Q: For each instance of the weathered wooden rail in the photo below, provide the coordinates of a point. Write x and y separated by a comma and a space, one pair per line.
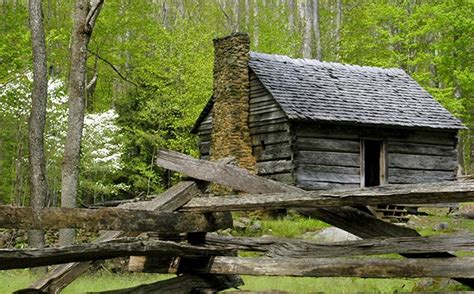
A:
187, 214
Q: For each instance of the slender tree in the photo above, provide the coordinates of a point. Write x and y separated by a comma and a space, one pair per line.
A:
247, 15
255, 23
38, 183
317, 30
85, 15
291, 15
305, 12
236, 16
337, 32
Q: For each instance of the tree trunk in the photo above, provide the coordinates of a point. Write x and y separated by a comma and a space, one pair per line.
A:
317, 30
236, 16
255, 24
38, 183
181, 9
305, 12
338, 28
165, 12
291, 16
247, 15
85, 16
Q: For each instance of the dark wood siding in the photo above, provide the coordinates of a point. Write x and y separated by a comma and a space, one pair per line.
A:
328, 156
326, 159
204, 132
270, 132
424, 158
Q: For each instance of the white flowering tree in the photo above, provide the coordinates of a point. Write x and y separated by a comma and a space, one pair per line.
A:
101, 147
101, 157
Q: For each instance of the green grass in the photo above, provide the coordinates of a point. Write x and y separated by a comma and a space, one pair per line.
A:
15, 279
290, 226
424, 224
18, 279
328, 285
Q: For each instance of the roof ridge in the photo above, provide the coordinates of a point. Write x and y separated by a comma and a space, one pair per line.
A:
327, 64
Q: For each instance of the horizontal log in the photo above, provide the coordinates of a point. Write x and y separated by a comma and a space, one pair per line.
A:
259, 96
205, 127
284, 127
283, 247
311, 170
412, 176
256, 105
454, 267
316, 185
268, 122
334, 145
274, 166
390, 194
109, 219
266, 109
271, 138
328, 158
420, 149
272, 152
266, 116
341, 175
24, 258
427, 162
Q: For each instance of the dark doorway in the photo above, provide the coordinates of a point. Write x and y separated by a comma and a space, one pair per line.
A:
373, 162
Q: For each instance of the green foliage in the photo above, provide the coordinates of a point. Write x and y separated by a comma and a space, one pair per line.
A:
165, 58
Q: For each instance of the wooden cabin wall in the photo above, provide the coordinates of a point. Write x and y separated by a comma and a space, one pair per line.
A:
270, 132
204, 133
421, 157
325, 158
328, 156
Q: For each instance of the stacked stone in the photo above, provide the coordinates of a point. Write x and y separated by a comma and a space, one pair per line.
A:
230, 133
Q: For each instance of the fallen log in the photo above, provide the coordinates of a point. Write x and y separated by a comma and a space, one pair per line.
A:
284, 247
391, 194
455, 267
31, 257
347, 218
110, 219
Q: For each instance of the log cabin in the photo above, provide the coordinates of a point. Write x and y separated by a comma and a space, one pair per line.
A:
320, 125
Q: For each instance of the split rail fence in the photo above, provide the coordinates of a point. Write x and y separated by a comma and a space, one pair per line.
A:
178, 241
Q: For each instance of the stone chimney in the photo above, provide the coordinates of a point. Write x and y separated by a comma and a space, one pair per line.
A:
230, 132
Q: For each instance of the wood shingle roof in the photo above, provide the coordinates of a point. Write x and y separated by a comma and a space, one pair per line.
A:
315, 91
310, 90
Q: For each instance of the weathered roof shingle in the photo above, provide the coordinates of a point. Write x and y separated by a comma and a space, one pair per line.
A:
310, 90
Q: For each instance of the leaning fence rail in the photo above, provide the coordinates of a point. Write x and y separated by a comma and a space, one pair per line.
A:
207, 261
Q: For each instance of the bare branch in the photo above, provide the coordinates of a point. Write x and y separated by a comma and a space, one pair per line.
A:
114, 68
96, 5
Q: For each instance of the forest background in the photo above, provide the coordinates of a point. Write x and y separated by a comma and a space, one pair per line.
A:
153, 64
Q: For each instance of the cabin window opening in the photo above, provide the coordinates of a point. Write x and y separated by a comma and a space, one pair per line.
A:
373, 163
